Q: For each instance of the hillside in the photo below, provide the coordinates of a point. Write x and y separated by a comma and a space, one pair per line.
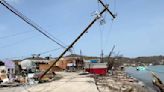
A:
155, 60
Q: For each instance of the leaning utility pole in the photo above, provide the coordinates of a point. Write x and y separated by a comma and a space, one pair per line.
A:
106, 6
110, 61
111, 51
38, 28
85, 30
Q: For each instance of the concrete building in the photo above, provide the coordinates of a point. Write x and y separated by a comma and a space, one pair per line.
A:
10, 69
32, 64
69, 63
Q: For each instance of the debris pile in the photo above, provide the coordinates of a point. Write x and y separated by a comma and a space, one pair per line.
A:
119, 82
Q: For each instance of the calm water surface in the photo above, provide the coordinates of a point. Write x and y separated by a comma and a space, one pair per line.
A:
145, 75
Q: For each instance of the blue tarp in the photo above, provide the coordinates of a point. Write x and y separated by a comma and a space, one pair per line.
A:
93, 61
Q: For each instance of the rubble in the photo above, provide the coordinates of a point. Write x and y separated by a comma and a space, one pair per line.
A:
119, 82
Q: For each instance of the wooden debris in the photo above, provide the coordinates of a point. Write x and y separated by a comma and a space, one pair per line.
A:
157, 82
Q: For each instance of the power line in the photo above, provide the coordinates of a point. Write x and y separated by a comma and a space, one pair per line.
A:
115, 5
11, 58
55, 38
28, 21
13, 35
45, 52
72, 44
41, 53
18, 42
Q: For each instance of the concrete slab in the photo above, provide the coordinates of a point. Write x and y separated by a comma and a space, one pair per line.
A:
71, 82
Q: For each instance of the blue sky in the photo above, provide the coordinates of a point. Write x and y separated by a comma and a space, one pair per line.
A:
137, 31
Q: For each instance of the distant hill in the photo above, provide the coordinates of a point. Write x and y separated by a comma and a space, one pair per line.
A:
84, 57
138, 60
148, 59
155, 60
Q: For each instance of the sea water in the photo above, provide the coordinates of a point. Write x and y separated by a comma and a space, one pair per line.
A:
146, 75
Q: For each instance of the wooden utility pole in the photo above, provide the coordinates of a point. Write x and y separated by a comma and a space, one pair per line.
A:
38, 28
111, 51
105, 6
102, 56
70, 46
110, 61
31, 23
85, 30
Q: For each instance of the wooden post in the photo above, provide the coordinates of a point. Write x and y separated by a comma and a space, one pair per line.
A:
157, 82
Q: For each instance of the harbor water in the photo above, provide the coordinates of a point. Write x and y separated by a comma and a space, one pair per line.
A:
145, 75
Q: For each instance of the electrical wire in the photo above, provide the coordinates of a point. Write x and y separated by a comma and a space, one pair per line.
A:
13, 35
45, 52
41, 53
56, 39
11, 58
71, 49
101, 22
98, 5
111, 23
115, 6
29, 21
18, 42
109, 30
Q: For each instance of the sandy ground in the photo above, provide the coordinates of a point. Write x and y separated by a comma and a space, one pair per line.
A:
71, 82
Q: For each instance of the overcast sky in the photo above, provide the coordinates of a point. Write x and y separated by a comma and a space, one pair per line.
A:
137, 30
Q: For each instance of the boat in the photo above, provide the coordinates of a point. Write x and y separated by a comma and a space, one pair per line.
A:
140, 68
